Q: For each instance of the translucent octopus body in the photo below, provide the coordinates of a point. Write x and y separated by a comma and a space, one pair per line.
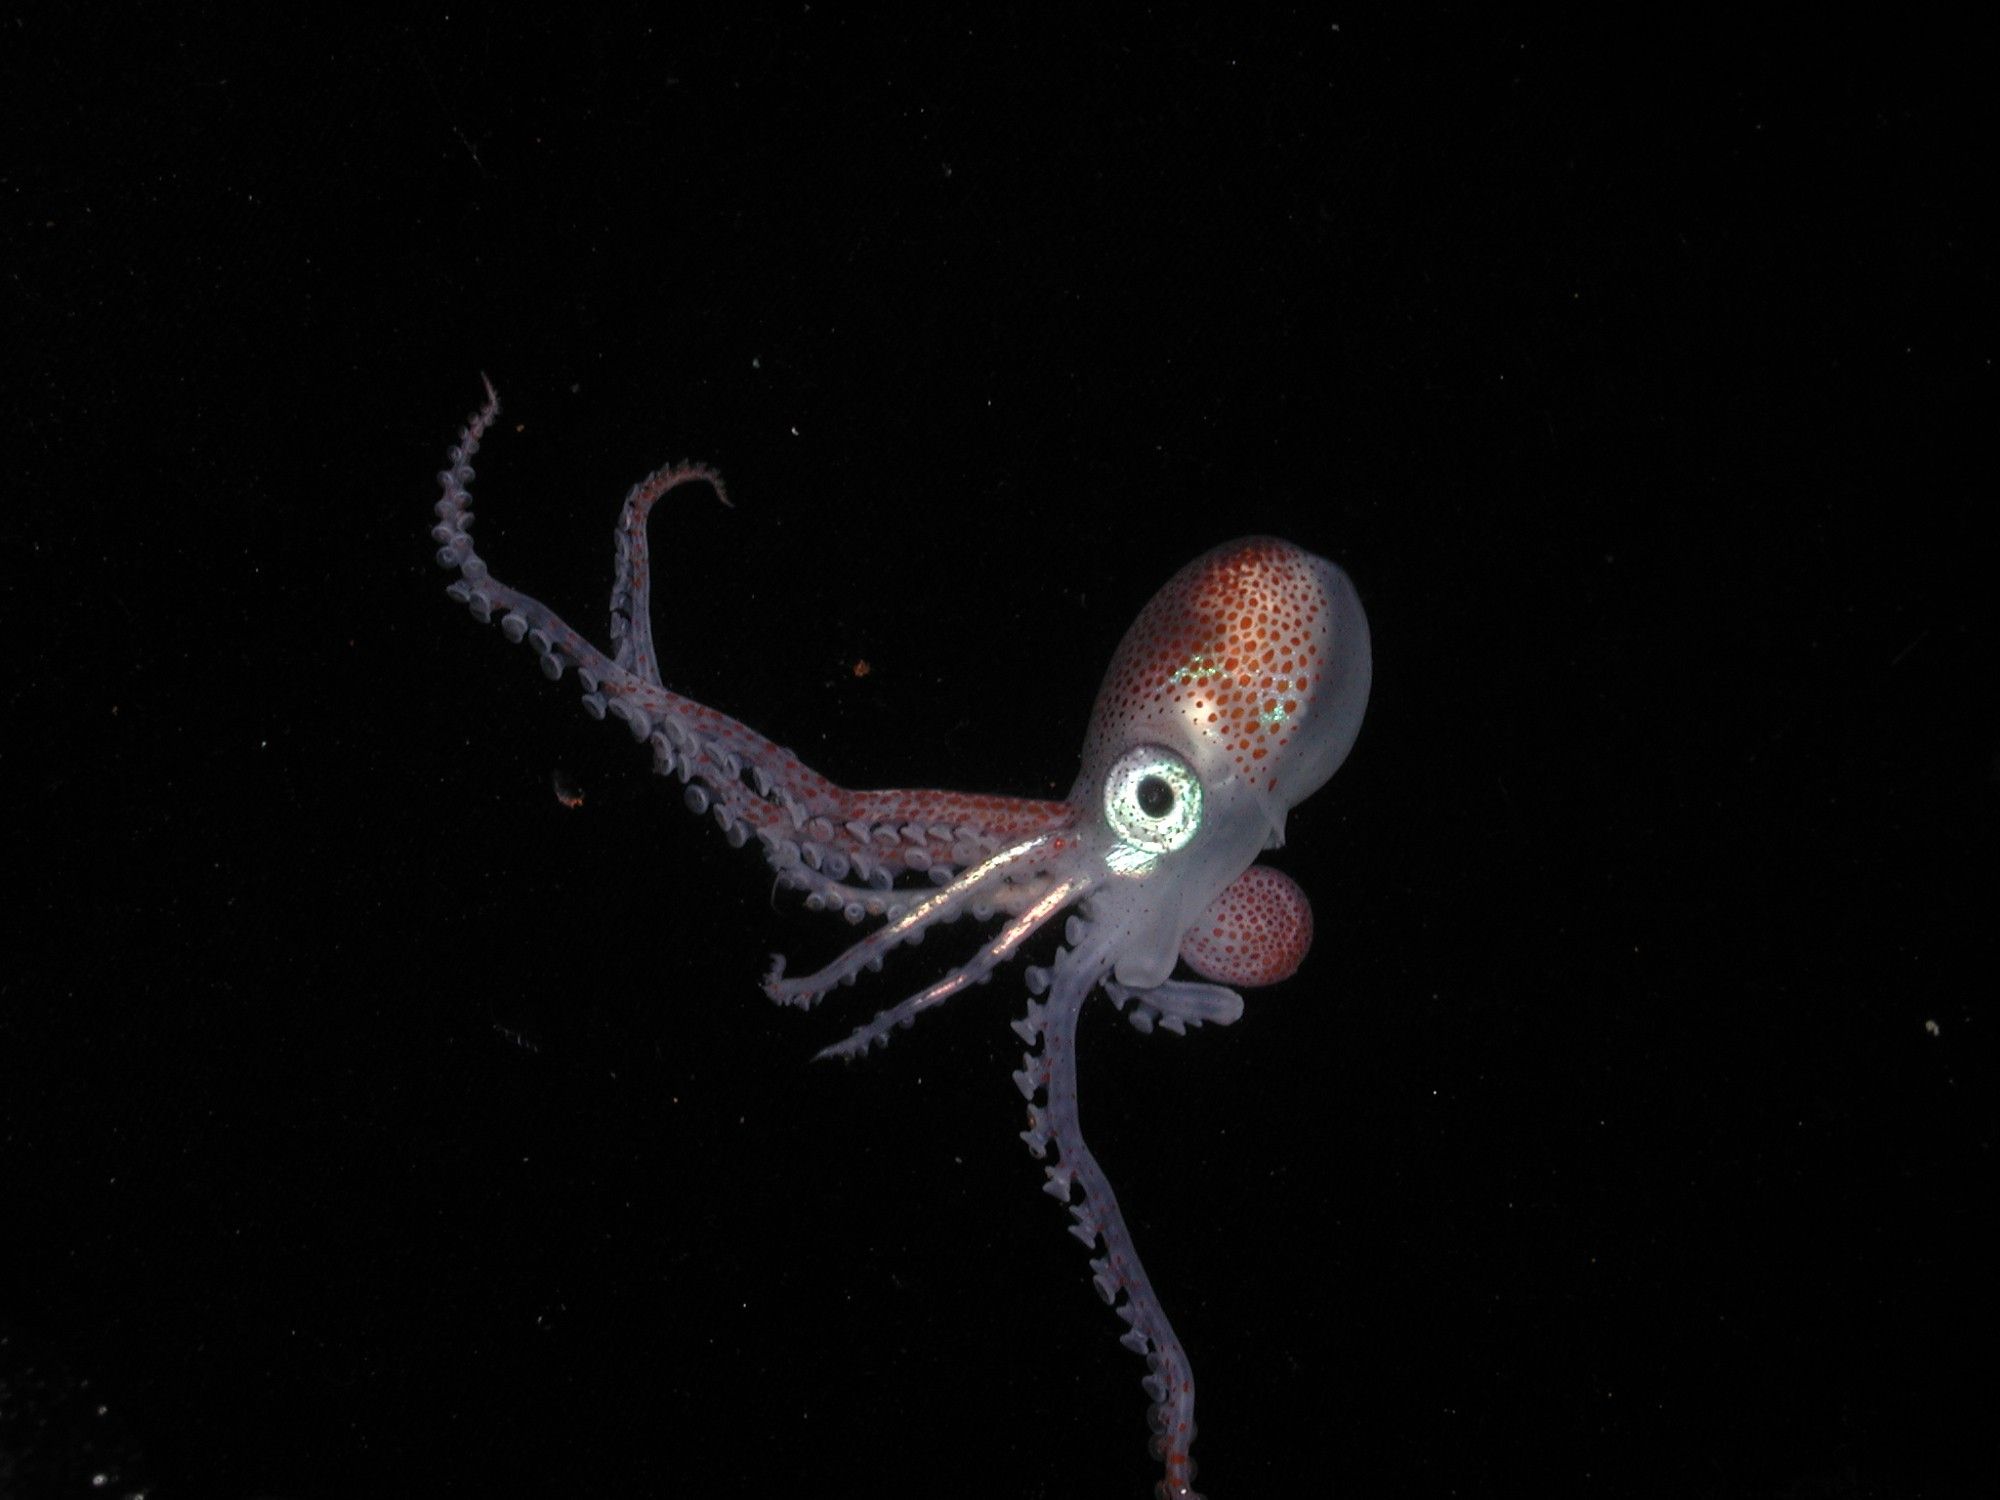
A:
1234, 696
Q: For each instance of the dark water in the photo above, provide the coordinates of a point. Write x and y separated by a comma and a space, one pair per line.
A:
371, 1122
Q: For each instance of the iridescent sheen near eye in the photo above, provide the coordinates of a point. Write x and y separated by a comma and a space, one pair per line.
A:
1143, 778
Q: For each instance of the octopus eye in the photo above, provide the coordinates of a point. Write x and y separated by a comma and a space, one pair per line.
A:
1152, 800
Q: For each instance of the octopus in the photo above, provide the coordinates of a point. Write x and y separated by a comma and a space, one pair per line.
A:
1233, 696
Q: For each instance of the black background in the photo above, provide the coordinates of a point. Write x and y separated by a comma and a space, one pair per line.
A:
371, 1123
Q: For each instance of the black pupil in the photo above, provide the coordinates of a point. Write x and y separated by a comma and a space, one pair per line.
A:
1155, 796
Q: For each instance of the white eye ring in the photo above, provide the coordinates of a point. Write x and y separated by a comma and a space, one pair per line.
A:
1152, 800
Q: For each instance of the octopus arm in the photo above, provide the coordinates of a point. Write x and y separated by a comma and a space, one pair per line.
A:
814, 832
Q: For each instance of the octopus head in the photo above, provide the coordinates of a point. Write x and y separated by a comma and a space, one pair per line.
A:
1234, 696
